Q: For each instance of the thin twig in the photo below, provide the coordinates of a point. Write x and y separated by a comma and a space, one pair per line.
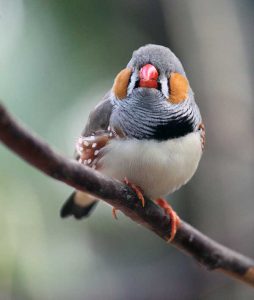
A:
188, 239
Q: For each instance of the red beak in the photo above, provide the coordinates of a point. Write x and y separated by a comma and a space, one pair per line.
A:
148, 76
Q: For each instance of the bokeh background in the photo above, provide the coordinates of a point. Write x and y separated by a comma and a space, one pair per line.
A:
57, 59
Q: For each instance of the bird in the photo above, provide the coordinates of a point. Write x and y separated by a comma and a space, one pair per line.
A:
147, 132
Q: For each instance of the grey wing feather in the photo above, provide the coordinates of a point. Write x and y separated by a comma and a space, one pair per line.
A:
99, 117
98, 120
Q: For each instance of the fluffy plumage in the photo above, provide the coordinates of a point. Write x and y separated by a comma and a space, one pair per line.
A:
158, 168
152, 140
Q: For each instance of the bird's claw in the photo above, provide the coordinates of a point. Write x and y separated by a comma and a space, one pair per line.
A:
174, 218
137, 190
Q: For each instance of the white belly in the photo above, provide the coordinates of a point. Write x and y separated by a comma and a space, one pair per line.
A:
159, 168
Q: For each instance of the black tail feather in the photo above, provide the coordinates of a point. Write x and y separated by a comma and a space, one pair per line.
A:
71, 208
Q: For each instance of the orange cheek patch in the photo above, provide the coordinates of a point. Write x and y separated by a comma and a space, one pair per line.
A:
121, 83
178, 88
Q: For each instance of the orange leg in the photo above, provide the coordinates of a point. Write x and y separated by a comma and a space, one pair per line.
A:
136, 189
174, 219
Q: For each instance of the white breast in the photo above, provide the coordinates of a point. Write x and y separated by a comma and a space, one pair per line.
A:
159, 168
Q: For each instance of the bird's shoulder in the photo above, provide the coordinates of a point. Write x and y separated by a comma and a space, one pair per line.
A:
99, 117
96, 134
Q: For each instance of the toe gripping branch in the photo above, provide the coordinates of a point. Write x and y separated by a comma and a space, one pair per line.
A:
174, 219
138, 192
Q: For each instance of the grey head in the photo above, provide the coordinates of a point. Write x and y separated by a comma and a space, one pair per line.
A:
152, 98
159, 56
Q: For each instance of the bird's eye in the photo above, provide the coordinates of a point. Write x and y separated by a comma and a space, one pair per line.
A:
178, 88
121, 83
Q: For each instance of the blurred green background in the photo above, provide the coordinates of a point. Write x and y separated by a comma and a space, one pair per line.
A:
57, 59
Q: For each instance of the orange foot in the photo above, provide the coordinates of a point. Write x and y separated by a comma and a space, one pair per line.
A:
136, 189
174, 219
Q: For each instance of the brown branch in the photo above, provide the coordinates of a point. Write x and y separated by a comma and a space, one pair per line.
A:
37, 153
